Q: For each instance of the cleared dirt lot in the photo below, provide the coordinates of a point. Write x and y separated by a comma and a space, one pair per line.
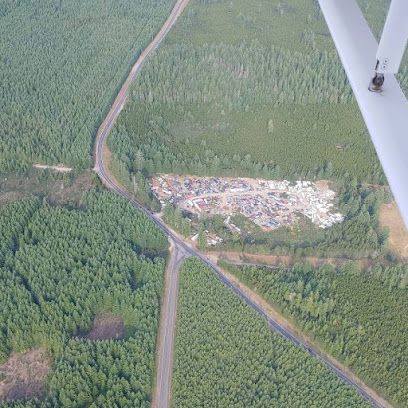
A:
398, 239
106, 327
9, 196
23, 375
58, 189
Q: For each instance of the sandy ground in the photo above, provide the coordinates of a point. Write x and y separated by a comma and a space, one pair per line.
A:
398, 239
107, 157
59, 167
107, 160
23, 375
323, 185
106, 327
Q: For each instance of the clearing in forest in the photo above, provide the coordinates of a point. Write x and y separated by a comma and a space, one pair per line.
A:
274, 261
398, 239
9, 196
106, 327
23, 375
60, 168
60, 188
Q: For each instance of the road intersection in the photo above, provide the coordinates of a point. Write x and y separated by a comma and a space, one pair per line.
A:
181, 249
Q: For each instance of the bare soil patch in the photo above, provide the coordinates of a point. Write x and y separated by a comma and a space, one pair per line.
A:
23, 375
398, 239
323, 185
107, 156
59, 167
9, 197
58, 188
107, 327
280, 260
63, 192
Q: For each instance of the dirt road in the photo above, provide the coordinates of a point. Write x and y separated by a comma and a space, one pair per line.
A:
59, 168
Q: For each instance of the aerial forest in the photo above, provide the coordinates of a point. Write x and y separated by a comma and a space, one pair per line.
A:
59, 269
227, 356
61, 64
239, 89
357, 315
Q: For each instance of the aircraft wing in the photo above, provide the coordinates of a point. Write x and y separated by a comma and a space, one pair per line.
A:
386, 113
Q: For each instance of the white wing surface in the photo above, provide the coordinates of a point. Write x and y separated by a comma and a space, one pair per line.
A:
386, 113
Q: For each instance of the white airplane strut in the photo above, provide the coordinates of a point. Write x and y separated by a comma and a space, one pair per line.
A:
392, 44
385, 111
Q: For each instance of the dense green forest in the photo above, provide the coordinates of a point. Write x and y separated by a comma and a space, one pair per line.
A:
59, 268
61, 63
358, 316
226, 355
246, 89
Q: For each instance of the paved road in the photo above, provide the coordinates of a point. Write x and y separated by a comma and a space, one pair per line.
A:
120, 99
107, 179
161, 398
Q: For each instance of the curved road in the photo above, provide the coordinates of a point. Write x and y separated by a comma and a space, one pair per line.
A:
185, 249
